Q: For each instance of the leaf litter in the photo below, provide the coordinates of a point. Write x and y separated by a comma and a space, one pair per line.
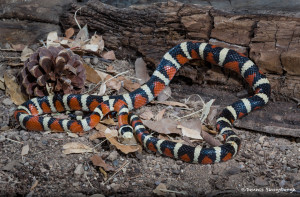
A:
82, 44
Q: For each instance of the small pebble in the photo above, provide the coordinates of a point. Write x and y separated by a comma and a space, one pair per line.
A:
79, 169
97, 195
7, 102
261, 182
233, 170
2, 138
282, 183
115, 163
177, 172
45, 142
87, 60
113, 156
95, 61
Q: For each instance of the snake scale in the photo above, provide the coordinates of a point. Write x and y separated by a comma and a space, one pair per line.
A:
28, 114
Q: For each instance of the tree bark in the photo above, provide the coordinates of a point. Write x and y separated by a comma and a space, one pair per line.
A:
272, 41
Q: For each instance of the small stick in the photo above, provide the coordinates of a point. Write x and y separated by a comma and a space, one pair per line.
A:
14, 141
89, 181
76, 18
172, 191
123, 166
190, 114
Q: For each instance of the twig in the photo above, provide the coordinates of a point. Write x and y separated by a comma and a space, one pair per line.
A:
190, 114
15, 64
14, 141
172, 191
123, 166
8, 50
12, 57
96, 86
89, 181
99, 144
76, 18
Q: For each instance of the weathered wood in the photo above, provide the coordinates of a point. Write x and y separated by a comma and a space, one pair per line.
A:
26, 22
272, 41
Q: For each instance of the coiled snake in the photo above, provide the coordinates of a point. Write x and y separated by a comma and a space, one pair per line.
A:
28, 113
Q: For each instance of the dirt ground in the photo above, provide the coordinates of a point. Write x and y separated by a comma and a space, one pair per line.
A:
266, 164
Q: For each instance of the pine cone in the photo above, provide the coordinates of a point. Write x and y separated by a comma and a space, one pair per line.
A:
54, 68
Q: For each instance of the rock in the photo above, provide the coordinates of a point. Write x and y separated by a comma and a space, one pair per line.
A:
7, 102
261, 182
115, 186
79, 169
87, 60
113, 155
11, 165
97, 195
2, 138
233, 170
95, 61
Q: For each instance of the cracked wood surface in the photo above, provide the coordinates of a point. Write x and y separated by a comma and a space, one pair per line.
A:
272, 41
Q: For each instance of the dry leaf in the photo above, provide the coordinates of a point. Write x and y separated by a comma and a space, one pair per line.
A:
64, 42
171, 103
164, 126
212, 115
141, 70
131, 86
69, 32
109, 121
91, 47
2, 87
13, 89
97, 135
210, 139
102, 89
34, 185
113, 83
91, 74
112, 132
74, 135
26, 54
158, 189
165, 94
103, 173
111, 69
52, 39
97, 40
102, 75
191, 133
124, 148
101, 127
76, 147
147, 115
128, 84
98, 161
163, 137
25, 150
82, 35
160, 115
206, 110
18, 47
109, 55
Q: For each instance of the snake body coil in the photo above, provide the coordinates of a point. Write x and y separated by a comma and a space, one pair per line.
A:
28, 113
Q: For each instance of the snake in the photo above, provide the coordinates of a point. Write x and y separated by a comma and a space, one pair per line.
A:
29, 114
